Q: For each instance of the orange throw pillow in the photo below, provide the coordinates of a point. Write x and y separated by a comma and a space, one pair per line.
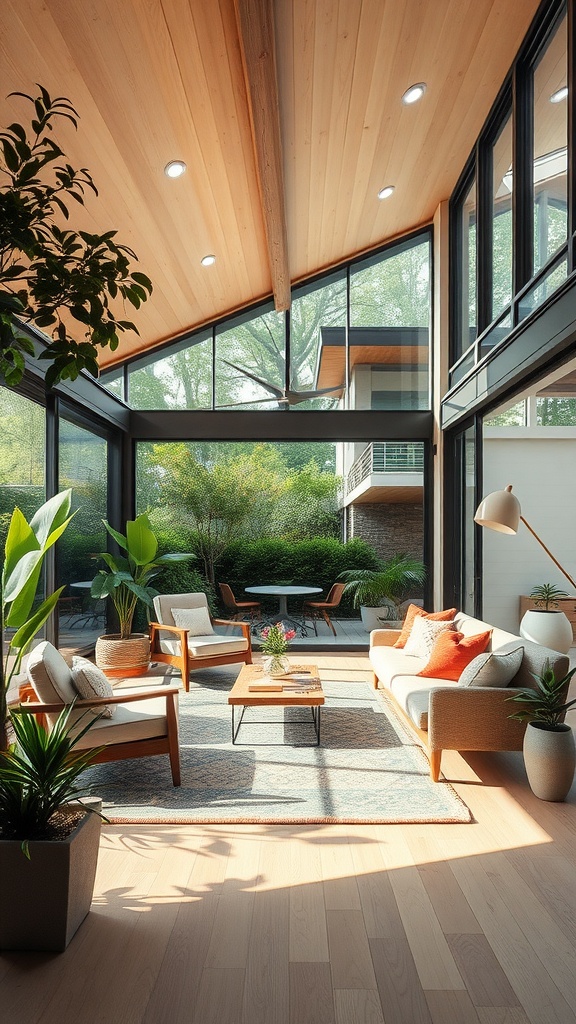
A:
452, 652
413, 611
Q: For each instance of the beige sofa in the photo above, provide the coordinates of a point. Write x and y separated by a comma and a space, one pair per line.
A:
447, 716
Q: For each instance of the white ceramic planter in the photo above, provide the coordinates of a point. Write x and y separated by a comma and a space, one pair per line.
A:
550, 759
550, 629
377, 618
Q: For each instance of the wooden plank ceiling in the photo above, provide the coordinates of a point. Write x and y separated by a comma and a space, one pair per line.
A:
158, 80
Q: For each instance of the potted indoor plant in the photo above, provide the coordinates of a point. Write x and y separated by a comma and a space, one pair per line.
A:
48, 839
26, 546
126, 581
377, 592
549, 749
546, 623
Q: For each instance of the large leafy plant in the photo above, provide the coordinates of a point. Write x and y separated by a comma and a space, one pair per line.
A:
39, 775
388, 585
24, 553
51, 275
127, 578
546, 703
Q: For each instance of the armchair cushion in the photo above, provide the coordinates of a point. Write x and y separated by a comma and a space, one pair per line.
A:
142, 720
207, 646
90, 681
195, 620
50, 675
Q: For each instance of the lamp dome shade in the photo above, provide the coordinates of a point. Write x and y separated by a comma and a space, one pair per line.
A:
499, 511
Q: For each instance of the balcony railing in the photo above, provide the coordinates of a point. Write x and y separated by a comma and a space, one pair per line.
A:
386, 457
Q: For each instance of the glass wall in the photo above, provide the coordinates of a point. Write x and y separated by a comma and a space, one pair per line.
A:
515, 188
389, 329
317, 342
22, 460
83, 463
550, 142
357, 338
502, 188
466, 327
181, 379
250, 366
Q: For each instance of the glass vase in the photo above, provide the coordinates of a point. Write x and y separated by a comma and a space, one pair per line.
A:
276, 665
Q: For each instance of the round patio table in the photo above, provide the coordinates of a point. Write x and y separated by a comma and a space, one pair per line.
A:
283, 593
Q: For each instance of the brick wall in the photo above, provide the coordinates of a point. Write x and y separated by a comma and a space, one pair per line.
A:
390, 529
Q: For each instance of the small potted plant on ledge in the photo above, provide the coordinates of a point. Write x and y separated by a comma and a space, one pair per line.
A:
377, 592
549, 749
127, 581
546, 623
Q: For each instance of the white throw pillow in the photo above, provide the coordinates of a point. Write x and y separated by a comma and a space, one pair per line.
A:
423, 636
494, 668
90, 681
195, 620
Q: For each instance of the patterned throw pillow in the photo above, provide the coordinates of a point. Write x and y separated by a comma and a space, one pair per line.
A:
195, 620
423, 636
495, 668
90, 681
452, 652
413, 612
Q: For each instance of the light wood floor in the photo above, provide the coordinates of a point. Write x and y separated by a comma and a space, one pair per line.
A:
416, 924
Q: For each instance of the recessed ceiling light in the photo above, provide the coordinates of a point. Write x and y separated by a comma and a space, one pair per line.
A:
207, 261
559, 95
384, 193
175, 168
414, 93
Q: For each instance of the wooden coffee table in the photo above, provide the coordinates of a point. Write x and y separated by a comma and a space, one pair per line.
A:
294, 693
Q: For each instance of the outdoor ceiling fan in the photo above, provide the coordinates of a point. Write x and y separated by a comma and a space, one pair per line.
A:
284, 396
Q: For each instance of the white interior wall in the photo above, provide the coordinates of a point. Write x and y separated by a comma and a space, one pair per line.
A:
542, 470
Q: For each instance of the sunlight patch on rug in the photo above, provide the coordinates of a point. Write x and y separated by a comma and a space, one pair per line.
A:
369, 768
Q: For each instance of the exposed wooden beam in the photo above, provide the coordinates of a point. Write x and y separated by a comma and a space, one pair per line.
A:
255, 19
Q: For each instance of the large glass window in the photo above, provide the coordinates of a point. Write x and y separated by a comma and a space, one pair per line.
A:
251, 361
502, 186
389, 328
180, 380
83, 467
467, 313
550, 141
317, 342
310, 358
22, 459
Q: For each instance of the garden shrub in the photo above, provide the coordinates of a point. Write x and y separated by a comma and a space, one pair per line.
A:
317, 562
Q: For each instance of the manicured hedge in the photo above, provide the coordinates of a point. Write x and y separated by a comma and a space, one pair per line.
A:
316, 562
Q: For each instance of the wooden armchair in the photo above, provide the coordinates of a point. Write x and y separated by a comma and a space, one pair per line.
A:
145, 722
196, 645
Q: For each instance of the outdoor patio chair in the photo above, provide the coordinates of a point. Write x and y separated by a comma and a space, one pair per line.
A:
145, 722
184, 636
238, 609
319, 609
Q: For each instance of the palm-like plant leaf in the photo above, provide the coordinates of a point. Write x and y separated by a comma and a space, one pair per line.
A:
41, 773
547, 703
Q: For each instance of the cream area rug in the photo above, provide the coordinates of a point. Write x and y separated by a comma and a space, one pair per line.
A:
368, 768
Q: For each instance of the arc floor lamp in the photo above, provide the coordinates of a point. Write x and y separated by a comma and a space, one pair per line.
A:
500, 511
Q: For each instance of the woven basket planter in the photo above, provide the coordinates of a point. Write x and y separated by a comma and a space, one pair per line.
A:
121, 658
